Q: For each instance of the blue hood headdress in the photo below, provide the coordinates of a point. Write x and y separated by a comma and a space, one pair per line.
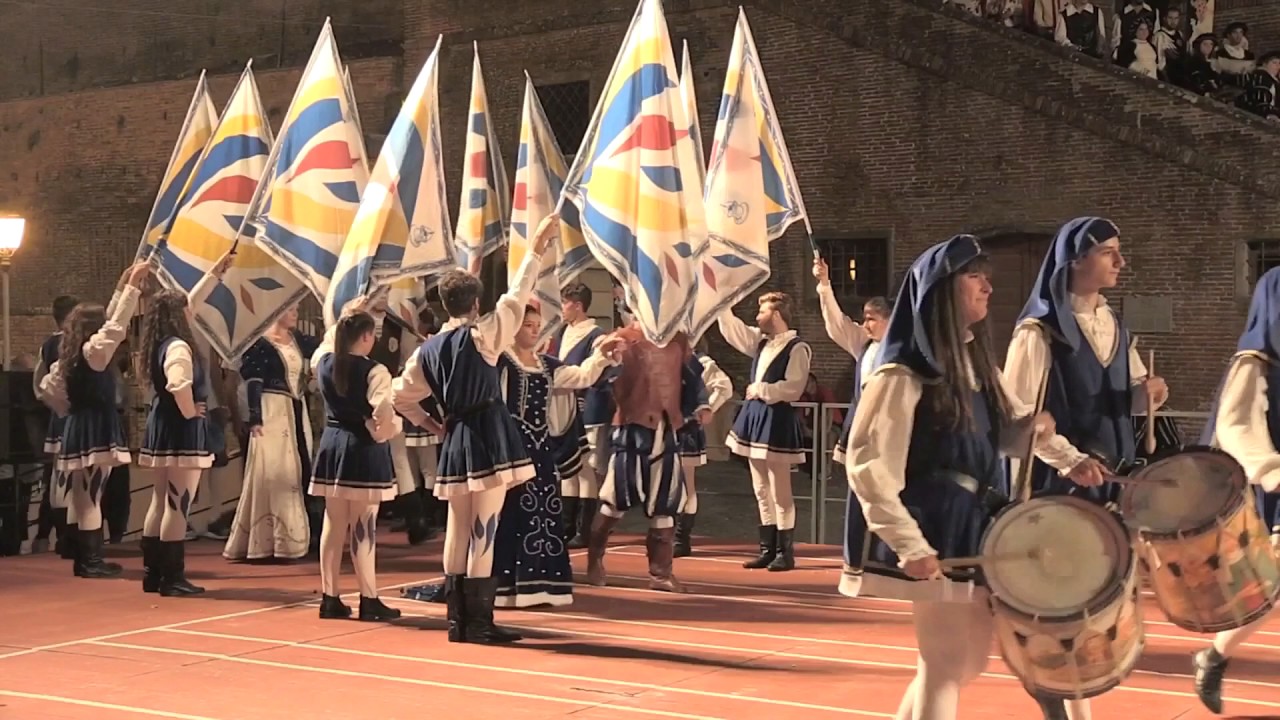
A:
906, 342
1049, 302
1262, 331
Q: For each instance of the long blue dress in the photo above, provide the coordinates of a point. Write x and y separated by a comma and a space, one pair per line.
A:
530, 560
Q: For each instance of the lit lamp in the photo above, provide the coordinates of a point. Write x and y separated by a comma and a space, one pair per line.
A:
11, 229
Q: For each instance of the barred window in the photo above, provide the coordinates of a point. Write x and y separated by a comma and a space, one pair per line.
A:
568, 109
1263, 255
860, 266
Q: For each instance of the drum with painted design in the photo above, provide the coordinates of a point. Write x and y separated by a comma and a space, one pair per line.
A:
1203, 544
1064, 595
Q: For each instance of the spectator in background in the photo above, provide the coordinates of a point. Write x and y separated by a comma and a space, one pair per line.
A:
1137, 53
1170, 46
1199, 75
815, 392
1125, 25
1262, 88
1080, 26
1233, 59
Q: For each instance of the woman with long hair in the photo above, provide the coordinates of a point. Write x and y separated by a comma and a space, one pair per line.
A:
82, 386
353, 470
936, 407
271, 519
176, 443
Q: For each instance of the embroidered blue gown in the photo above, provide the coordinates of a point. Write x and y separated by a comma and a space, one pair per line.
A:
530, 560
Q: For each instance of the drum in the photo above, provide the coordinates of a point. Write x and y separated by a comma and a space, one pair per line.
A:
1205, 549
1067, 618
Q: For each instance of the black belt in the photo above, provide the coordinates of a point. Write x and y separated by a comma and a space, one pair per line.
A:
454, 418
992, 499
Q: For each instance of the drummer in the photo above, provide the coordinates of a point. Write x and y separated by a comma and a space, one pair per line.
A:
1243, 427
934, 411
1095, 379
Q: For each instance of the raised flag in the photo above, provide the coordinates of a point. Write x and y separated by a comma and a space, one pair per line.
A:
196, 130
255, 288
402, 228
305, 205
690, 99
634, 181
752, 196
540, 171
484, 212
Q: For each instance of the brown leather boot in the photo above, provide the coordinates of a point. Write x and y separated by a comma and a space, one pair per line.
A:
597, 541
660, 546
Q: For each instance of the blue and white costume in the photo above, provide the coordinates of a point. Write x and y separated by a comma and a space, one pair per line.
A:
482, 454
1094, 374
900, 465
581, 439
1245, 423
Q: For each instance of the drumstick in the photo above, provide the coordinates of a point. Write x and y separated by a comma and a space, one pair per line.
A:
1023, 484
1140, 481
953, 563
1151, 407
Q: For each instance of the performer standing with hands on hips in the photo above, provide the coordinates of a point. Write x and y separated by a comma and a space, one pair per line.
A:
176, 443
1245, 423
767, 430
1071, 353
936, 411
482, 453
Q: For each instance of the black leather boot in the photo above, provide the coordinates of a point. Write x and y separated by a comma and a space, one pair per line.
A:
479, 594
568, 518
588, 507
456, 607
768, 548
374, 610
684, 535
1210, 668
173, 581
89, 562
415, 517
68, 535
332, 608
151, 564
786, 559
1053, 709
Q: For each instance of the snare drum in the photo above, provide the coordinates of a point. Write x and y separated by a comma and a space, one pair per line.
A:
1067, 620
1205, 548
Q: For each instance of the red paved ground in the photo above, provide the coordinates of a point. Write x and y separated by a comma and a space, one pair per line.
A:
740, 645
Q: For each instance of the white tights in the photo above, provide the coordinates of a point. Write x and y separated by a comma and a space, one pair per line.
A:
1227, 641
691, 492
423, 460
954, 641
171, 497
771, 479
86, 496
472, 530
357, 520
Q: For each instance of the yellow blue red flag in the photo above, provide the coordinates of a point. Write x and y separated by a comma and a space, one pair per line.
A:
197, 128
402, 228
752, 196
635, 181
484, 212
305, 206
255, 289
540, 172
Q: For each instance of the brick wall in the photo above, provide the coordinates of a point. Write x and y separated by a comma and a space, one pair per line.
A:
48, 50
84, 167
902, 120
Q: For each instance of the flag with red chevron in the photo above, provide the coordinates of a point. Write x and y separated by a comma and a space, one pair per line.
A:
635, 181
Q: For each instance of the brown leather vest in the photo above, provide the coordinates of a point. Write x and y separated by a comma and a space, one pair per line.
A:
649, 381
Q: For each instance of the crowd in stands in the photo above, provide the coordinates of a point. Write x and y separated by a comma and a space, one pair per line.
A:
1162, 39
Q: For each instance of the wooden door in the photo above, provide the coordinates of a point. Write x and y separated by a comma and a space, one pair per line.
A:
1015, 260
